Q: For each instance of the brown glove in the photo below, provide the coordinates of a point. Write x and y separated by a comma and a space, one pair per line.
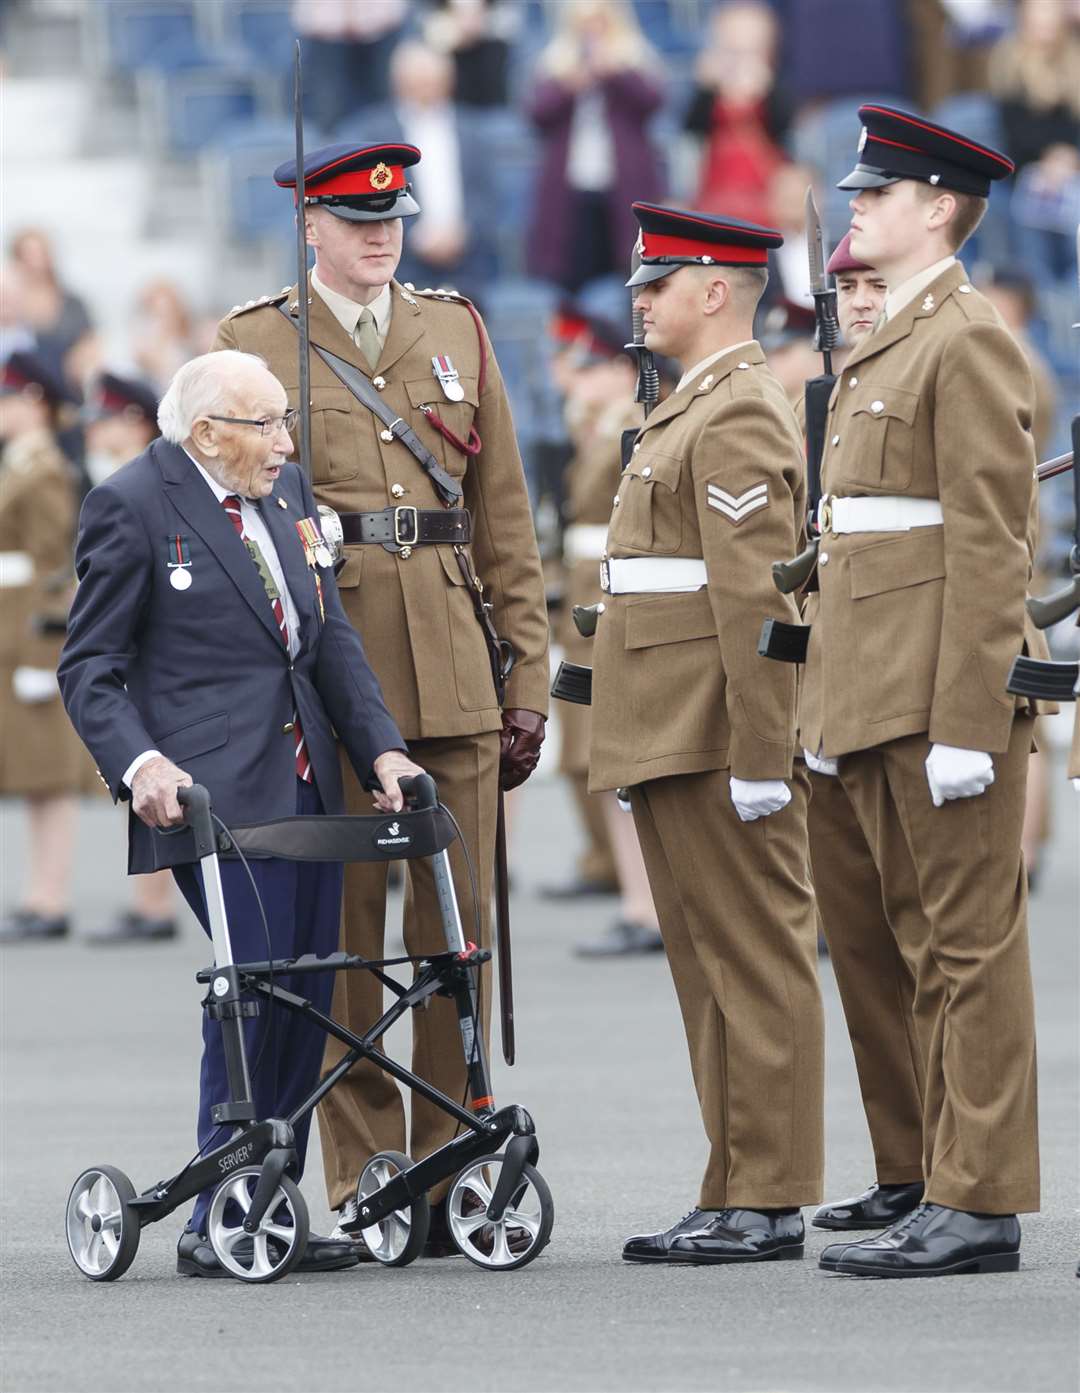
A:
520, 739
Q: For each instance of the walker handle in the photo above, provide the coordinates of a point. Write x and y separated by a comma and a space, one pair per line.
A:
195, 802
420, 792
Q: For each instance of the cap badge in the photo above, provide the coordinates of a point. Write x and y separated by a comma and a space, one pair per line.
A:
862, 140
447, 377
381, 177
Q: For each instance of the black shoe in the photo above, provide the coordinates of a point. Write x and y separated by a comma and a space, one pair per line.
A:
196, 1258
578, 889
932, 1241
875, 1208
440, 1243
131, 927
27, 926
656, 1247
743, 1235
622, 940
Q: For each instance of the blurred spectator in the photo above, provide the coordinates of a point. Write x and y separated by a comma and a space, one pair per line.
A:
477, 34
1013, 293
449, 243
598, 82
786, 334
787, 213
16, 336
1035, 76
163, 334
347, 47
951, 45
739, 111
56, 316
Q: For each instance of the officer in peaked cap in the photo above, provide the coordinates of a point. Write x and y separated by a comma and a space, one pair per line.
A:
428, 355
925, 559
40, 757
120, 420
687, 718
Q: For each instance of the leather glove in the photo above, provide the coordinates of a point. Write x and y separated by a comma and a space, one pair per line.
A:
953, 772
520, 739
754, 798
821, 764
34, 684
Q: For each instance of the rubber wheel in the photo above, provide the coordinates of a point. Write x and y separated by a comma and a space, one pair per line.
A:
398, 1239
280, 1240
102, 1228
519, 1236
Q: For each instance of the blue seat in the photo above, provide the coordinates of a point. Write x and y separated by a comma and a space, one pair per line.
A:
263, 28
238, 174
148, 33
195, 106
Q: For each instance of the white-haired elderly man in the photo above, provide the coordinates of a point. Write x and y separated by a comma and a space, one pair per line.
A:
207, 643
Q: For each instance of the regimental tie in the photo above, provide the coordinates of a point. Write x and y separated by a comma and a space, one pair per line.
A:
231, 504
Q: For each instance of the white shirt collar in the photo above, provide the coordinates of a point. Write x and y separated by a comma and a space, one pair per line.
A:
347, 312
907, 291
691, 373
216, 489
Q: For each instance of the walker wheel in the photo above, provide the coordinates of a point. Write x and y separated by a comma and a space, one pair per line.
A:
524, 1229
280, 1241
399, 1238
102, 1228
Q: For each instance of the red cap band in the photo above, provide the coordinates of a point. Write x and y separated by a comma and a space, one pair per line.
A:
358, 183
655, 245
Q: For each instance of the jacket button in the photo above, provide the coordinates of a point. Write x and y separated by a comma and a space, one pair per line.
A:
637, 447
397, 490
742, 366
823, 559
600, 607
405, 553
287, 728
853, 382
964, 289
646, 473
615, 501
386, 435
378, 382
877, 407
836, 440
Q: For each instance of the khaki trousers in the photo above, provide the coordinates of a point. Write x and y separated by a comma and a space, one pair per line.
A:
737, 917
964, 865
364, 1113
877, 985
596, 864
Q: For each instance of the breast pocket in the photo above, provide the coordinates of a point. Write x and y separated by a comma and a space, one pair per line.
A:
335, 452
648, 515
880, 447
444, 426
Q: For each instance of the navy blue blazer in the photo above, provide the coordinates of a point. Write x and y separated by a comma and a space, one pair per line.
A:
201, 673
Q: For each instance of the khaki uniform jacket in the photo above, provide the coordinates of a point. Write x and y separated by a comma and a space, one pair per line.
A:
39, 751
916, 630
678, 687
414, 613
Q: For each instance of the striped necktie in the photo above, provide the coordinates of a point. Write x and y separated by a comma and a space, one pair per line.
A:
231, 504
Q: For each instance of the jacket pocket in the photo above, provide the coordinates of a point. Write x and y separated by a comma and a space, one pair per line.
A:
198, 738
899, 589
669, 619
425, 395
648, 516
335, 450
881, 436
348, 578
472, 666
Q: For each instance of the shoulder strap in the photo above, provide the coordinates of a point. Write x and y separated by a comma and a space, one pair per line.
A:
360, 385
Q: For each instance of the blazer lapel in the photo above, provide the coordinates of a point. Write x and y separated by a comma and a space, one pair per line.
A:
190, 496
406, 326
706, 379
281, 524
924, 305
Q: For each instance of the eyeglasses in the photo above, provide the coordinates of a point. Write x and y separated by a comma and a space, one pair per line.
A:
269, 425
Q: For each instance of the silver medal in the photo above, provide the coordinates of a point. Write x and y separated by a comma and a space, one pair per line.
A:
322, 556
447, 377
180, 578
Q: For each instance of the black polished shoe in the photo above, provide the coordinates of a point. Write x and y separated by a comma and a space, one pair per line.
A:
131, 927
195, 1257
578, 889
932, 1241
656, 1247
440, 1243
27, 926
624, 939
743, 1235
875, 1208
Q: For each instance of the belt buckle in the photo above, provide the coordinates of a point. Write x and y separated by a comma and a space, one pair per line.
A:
398, 538
825, 515
605, 577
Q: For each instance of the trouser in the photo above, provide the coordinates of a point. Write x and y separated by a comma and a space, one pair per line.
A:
964, 865
596, 864
302, 903
890, 1038
737, 918
364, 1113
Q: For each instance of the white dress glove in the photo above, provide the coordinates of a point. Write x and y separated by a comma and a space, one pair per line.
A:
821, 764
754, 798
955, 773
34, 684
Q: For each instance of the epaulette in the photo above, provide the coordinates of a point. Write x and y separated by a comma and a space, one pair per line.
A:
439, 293
258, 304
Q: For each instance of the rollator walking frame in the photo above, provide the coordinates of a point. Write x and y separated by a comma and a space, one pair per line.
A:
499, 1209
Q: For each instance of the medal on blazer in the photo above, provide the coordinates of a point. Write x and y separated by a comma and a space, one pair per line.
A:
446, 375
179, 563
315, 554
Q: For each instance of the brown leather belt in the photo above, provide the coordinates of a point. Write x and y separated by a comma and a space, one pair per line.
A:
407, 527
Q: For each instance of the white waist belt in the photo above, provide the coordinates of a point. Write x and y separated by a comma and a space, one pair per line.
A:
16, 568
645, 575
890, 513
584, 541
